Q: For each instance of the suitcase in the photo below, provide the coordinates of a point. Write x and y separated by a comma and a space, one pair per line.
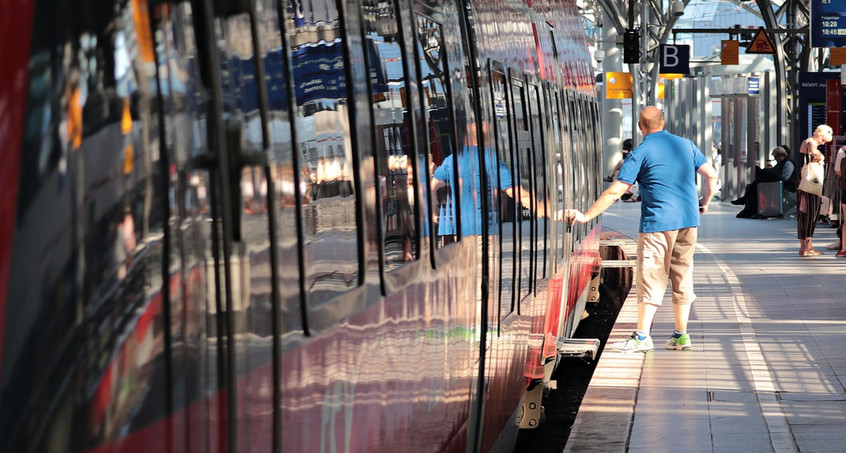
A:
770, 199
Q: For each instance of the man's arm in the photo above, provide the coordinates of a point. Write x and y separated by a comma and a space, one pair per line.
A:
611, 194
709, 181
787, 171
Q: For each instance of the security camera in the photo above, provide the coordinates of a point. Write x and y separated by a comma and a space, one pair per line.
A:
677, 8
599, 55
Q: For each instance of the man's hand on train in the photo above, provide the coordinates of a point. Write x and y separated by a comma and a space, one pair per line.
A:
573, 216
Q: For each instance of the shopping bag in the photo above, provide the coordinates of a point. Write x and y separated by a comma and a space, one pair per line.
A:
812, 178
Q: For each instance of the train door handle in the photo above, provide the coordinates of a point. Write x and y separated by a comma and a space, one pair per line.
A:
237, 160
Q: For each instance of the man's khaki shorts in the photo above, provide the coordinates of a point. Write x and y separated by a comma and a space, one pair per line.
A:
662, 257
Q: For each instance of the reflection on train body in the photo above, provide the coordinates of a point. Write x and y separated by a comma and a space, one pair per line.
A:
289, 226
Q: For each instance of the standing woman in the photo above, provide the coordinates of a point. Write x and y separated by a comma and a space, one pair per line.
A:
809, 204
840, 169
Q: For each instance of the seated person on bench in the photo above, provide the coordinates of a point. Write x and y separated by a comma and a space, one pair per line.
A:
785, 170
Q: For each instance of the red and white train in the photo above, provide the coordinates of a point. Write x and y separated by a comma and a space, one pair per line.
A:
221, 228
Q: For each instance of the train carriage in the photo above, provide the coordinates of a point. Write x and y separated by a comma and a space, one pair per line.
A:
255, 226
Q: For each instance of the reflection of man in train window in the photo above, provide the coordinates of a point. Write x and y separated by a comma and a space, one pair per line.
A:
445, 176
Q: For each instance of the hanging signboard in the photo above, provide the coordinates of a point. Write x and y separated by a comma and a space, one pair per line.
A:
662, 80
729, 53
675, 59
828, 23
618, 85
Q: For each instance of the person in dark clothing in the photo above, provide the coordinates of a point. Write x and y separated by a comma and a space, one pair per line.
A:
785, 170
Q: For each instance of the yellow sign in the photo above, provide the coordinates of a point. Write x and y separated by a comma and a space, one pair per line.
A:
729, 53
618, 85
761, 43
838, 56
662, 78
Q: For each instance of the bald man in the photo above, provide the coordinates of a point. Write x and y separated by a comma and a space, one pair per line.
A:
665, 167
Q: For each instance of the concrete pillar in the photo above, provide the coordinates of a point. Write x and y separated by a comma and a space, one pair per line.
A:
611, 109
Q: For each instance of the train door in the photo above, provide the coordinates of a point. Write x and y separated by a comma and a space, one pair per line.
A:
503, 366
562, 169
230, 336
246, 34
523, 189
540, 196
194, 365
90, 364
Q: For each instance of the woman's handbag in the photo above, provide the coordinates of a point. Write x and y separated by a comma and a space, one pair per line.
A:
812, 178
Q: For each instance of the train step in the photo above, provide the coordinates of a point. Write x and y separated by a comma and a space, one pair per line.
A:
578, 347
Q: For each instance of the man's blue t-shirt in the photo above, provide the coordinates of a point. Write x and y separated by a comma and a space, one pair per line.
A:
664, 166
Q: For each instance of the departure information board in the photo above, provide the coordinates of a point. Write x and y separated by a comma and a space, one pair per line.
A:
828, 23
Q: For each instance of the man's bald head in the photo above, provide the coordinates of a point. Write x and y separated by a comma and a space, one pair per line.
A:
651, 120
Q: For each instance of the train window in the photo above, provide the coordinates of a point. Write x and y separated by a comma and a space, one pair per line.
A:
578, 162
525, 189
586, 161
566, 171
540, 194
556, 180
325, 151
591, 143
436, 101
394, 156
597, 140
507, 225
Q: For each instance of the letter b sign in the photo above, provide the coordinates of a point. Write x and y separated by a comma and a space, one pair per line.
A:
675, 59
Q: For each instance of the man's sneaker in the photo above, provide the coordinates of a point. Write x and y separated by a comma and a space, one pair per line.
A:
681, 343
634, 345
834, 245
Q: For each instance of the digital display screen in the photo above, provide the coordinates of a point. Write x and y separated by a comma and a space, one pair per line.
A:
828, 23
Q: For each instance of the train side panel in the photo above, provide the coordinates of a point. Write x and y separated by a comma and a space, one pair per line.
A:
226, 233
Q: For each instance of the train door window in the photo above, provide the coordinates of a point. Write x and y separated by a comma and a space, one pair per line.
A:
578, 162
540, 192
507, 225
584, 155
248, 316
596, 170
185, 115
586, 161
325, 151
524, 188
556, 179
594, 142
394, 156
436, 100
566, 169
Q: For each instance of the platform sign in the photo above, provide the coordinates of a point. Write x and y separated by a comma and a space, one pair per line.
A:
753, 86
675, 59
618, 85
813, 94
729, 53
662, 81
828, 23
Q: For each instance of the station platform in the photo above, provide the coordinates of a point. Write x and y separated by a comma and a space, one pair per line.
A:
768, 366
